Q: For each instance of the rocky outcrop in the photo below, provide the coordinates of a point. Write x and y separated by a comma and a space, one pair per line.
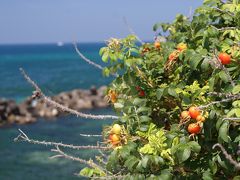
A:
30, 110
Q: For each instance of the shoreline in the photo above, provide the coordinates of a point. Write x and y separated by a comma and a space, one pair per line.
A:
29, 110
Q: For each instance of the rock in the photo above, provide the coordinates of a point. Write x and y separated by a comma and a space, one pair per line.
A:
93, 91
29, 110
54, 112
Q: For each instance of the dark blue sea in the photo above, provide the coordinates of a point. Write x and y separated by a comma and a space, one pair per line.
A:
55, 69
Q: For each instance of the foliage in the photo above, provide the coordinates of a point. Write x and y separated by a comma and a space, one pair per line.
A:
159, 145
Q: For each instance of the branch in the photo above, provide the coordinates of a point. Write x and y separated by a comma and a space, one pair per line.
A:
89, 163
232, 119
235, 97
98, 66
224, 12
225, 28
23, 137
108, 177
218, 94
86, 59
91, 135
190, 12
111, 177
227, 156
131, 30
39, 94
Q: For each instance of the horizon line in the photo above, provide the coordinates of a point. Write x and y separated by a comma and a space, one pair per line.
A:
64, 43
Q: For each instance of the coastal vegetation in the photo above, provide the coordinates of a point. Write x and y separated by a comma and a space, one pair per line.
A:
177, 101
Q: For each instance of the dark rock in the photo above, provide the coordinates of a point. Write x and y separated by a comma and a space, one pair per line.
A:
93, 91
29, 110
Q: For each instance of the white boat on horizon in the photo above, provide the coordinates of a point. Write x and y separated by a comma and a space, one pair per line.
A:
60, 43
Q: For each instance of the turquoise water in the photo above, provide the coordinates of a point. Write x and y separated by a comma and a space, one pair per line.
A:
56, 69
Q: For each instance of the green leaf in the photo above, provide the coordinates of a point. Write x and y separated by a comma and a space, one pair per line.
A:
145, 119
165, 175
236, 178
144, 128
195, 147
237, 112
194, 61
159, 93
213, 166
236, 89
145, 110
205, 64
222, 163
144, 161
156, 26
106, 72
139, 102
223, 76
129, 62
207, 175
223, 131
219, 123
131, 162
236, 103
183, 153
102, 50
118, 105
237, 139
86, 172
105, 57
172, 92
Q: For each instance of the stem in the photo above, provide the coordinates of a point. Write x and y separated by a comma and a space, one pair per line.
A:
39, 94
23, 137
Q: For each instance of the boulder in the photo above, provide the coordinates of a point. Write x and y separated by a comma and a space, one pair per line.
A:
29, 110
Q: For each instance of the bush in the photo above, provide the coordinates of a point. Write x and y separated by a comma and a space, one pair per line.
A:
177, 100
196, 65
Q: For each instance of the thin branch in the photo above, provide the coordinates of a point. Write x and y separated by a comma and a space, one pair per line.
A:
109, 177
232, 119
190, 12
98, 66
131, 30
91, 135
89, 163
221, 101
218, 94
86, 59
23, 137
228, 156
224, 12
225, 28
49, 101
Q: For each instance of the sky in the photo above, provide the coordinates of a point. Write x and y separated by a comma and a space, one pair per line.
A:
50, 21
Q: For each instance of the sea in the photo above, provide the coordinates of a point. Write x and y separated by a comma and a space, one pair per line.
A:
55, 68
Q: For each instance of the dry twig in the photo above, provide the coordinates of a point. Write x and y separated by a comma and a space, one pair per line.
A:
224, 12
235, 97
89, 163
86, 59
235, 119
91, 135
49, 101
131, 30
218, 94
23, 137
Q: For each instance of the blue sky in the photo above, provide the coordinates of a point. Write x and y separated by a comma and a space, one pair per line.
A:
42, 21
